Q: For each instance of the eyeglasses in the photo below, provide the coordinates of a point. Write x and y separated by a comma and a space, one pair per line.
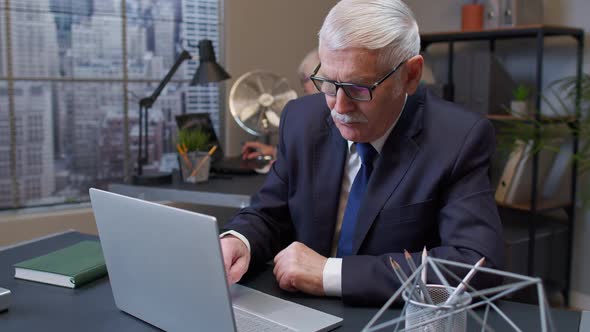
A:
353, 91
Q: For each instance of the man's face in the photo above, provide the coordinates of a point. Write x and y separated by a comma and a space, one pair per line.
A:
362, 121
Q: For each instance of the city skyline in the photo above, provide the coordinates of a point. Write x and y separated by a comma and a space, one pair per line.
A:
82, 122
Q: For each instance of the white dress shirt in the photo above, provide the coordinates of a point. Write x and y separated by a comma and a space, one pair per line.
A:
332, 274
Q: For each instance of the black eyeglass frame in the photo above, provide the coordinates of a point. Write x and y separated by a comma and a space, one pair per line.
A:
318, 80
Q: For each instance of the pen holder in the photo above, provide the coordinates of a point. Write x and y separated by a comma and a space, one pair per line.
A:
198, 159
424, 317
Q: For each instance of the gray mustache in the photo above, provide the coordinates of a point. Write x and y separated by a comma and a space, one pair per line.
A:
349, 118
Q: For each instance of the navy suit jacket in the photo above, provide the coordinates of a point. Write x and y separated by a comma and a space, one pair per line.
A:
429, 187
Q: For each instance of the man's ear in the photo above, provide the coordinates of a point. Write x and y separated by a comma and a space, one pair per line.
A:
413, 73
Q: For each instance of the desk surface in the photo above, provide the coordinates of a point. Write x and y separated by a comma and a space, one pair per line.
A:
226, 192
39, 307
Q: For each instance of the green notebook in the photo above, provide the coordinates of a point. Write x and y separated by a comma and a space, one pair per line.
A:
68, 267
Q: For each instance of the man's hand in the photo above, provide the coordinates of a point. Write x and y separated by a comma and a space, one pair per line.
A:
254, 149
236, 258
298, 268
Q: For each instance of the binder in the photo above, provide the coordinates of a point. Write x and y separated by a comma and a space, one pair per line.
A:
505, 183
515, 185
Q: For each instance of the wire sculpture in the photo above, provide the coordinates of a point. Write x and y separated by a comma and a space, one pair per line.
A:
441, 314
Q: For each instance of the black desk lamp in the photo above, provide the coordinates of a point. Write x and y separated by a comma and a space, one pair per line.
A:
208, 71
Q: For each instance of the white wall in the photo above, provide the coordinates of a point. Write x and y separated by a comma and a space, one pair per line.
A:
269, 35
519, 58
575, 13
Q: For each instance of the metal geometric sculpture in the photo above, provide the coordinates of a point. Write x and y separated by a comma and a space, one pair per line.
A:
417, 315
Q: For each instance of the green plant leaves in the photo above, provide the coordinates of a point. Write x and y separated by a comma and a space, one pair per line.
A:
194, 140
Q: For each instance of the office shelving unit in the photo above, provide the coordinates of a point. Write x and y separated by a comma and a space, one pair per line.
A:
538, 33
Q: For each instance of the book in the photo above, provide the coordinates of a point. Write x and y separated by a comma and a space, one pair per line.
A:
520, 183
69, 267
515, 185
507, 177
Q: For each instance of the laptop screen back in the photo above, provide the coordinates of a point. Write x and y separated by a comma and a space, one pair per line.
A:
165, 265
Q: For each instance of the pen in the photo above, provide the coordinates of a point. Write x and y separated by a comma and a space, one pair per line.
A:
421, 284
182, 151
397, 270
202, 162
401, 275
461, 287
423, 272
410, 261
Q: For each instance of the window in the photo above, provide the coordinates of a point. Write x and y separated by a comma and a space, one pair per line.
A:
35, 128
70, 107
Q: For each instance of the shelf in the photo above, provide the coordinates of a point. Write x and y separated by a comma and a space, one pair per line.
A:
525, 31
541, 206
544, 119
536, 33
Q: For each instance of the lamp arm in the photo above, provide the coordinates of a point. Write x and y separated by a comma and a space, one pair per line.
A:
149, 101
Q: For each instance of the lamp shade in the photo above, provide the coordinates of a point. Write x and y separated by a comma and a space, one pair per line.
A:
209, 70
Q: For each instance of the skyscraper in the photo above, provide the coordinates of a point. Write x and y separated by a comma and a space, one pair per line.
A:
67, 12
96, 54
107, 7
163, 15
32, 33
201, 20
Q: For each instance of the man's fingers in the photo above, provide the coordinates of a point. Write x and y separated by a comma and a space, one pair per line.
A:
283, 274
253, 155
275, 270
249, 146
227, 261
280, 255
235, 258
279, 270
286, 284
279, 261
237, 270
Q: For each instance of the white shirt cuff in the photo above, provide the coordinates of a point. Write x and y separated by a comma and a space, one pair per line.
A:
239, 236
332, 276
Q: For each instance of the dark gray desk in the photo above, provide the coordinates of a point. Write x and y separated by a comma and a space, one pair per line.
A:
231, 192
39, 307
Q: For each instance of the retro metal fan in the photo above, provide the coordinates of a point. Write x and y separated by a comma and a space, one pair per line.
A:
256, 101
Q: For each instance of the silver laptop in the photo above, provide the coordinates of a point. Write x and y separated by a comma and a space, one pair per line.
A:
165, 267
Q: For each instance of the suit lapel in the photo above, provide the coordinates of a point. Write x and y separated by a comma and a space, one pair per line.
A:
329, 156
397, 155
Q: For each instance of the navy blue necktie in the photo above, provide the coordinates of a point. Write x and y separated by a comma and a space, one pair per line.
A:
367, 154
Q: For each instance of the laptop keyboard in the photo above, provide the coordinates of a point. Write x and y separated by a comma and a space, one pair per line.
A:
247, 322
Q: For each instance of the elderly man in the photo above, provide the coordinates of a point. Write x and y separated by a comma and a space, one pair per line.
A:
370, 167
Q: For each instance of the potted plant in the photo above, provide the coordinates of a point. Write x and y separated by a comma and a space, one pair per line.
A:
194, 148
519, 103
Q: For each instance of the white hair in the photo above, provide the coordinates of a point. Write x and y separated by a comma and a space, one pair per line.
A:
385, 25
308, 64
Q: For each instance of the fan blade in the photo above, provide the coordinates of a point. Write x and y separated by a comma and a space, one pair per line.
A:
280, 83
257, 89
281, 100
285, 96
248, 112
236, 106
272, 117
260, 85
